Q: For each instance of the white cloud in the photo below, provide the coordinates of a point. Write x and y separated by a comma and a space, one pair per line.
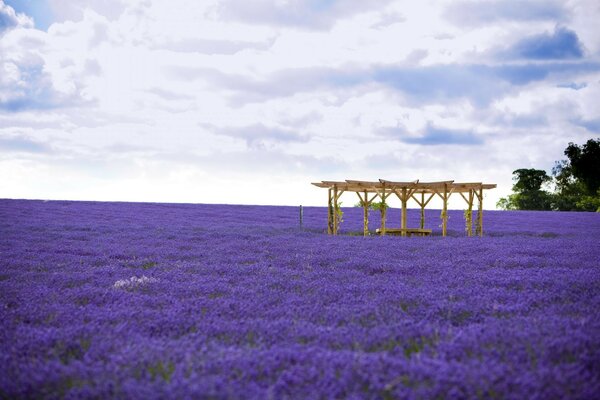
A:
480, 13
157, 101
9, 19
312, 14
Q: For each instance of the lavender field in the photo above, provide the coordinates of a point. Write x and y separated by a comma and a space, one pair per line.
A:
125, 300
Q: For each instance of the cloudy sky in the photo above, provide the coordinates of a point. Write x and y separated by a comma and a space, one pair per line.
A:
231, 101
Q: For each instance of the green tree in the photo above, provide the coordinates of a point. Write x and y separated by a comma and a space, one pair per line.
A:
568, 190
577, 179
507, 203
528, 193
576, 183
585, 164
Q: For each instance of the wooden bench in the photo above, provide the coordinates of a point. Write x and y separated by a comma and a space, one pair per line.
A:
408, 231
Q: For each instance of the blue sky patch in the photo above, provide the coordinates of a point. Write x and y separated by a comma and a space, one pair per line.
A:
572, 85
474, 13
39, 10
22, 144
592, 125
563, 44
433, 136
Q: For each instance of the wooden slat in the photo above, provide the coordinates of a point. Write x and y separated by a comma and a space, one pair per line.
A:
406, 231
353, 188
384, 194
417, 200
419, 186
432, 185
364, 183
466, 184
463, 196
360, 197
429, 199
399, 185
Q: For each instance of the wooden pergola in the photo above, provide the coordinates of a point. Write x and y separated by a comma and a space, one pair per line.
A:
421, 192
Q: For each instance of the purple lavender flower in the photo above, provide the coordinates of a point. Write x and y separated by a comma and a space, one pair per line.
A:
104, 300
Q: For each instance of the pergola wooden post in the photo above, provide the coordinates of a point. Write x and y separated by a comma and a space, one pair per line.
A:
383, 195
404, 207
445, 211
469, 212
406, 194
479, 228
365, 204
330, 212
335, 209
445, 196
423, 203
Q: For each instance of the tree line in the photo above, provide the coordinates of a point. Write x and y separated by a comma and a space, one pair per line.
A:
573, 186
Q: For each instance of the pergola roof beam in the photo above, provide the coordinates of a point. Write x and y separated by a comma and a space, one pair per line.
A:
419, 187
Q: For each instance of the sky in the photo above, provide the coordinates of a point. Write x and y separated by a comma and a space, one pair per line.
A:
248, 102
